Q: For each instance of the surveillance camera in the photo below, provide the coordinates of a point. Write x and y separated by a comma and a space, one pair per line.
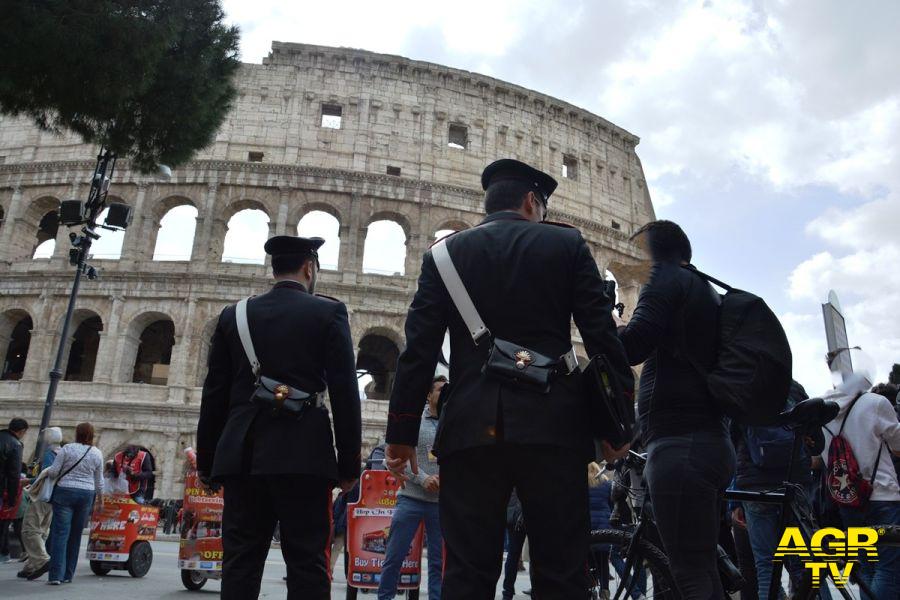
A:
164, 171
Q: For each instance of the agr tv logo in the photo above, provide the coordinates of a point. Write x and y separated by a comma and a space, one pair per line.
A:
828, 547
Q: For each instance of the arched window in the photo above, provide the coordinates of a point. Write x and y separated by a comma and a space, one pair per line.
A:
154, 354
376, 362
15, 331
46, 235
109, 246
83, 353
318, 223
384, 252
248, 231
175, 239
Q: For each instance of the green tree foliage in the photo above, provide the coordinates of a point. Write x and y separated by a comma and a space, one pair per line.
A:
150, 79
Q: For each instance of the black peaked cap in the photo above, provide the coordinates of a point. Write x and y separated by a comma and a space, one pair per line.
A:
290, 244
508, 168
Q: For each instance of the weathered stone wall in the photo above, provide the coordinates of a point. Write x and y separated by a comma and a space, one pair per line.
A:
394, 113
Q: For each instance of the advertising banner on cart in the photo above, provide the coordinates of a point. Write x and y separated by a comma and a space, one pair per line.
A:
201, 527
116, 526
368, 528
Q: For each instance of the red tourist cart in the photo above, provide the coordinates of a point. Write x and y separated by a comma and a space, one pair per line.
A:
368, 528
120, 538
200, 548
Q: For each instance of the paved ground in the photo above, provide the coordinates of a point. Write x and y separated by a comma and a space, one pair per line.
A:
163, 581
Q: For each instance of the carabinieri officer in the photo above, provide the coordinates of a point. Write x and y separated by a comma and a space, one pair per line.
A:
271, 444
527, 280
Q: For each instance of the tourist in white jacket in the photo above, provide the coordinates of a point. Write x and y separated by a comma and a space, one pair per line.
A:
871, 426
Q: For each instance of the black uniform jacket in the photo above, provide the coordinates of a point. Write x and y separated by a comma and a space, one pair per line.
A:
301, 340
527, 281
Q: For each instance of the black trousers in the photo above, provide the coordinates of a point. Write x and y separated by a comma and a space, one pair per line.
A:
551, 483
686, 476
253, 504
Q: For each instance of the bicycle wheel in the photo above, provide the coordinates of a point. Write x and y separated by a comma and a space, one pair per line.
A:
650, 579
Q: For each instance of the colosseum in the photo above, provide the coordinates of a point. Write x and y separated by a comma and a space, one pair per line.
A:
346, 139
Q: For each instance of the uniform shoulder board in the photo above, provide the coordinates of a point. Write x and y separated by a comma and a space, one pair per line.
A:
327, 297
449, 235
566, 225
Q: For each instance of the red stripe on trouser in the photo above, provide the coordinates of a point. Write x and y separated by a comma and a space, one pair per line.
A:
330, 536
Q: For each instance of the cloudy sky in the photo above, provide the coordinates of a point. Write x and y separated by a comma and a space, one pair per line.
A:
770, 130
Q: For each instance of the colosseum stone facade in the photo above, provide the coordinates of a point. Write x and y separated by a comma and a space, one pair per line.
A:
362, 137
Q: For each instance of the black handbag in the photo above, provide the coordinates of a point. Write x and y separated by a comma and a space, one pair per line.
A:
610, 402
270, 393
508, 361
521, 366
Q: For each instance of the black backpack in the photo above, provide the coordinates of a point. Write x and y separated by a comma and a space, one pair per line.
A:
751, 377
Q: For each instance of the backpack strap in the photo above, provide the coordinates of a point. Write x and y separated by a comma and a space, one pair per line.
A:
77, 462
877, 462
849, 408
709, 278
243, 326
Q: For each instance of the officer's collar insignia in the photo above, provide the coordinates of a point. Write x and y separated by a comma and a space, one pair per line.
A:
523, 359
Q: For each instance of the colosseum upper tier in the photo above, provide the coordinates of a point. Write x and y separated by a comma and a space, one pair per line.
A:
359, 136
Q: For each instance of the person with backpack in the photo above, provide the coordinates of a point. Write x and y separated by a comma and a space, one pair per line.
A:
763, 457
691, 460
860, 476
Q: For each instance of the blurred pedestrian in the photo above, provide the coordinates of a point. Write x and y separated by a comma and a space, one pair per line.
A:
690, 458
36, 524
868, 423
10, 470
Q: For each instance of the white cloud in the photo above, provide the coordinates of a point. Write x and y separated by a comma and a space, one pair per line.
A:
866, 276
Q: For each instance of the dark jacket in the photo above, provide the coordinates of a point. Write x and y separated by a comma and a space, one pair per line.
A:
301, 340
749, 476
10, 465
527, 280
600, 505
676, 317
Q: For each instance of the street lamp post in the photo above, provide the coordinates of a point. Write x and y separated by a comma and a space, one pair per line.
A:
87, 215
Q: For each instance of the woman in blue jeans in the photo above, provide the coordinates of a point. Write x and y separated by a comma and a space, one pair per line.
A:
78, 473
417, 503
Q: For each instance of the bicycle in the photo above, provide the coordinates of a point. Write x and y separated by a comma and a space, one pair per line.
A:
638, 547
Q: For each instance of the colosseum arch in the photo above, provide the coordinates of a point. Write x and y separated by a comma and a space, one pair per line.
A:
386, 244
173, 228
81, 354
15, 339
39, 224
324, 221
146, 349
377, 354
242, 232
111, 243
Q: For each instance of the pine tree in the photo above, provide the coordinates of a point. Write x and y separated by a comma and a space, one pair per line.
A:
151, 80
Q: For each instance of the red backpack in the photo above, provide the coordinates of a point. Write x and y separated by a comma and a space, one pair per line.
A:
845, 483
